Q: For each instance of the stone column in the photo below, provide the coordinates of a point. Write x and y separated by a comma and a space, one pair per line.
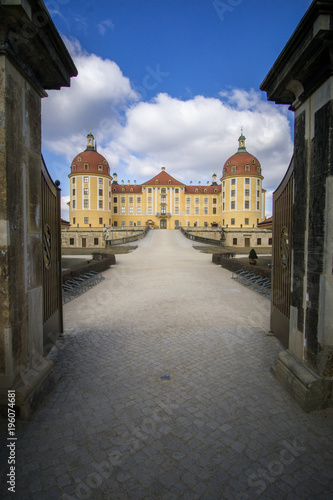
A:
32, 58
301, 77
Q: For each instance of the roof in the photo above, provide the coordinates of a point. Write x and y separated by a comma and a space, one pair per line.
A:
163, 179
128, 188
267, 223
240, 160
203, 189
94, 161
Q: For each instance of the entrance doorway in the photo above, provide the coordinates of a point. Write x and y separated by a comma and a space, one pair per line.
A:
163, 224
84, 242
247, 242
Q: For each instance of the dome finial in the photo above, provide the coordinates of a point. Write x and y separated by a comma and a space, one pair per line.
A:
90, 141
241, 141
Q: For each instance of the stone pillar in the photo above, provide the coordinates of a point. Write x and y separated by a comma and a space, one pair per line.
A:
301, 77
32, 58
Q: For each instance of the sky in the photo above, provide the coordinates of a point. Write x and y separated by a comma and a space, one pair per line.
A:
170, 83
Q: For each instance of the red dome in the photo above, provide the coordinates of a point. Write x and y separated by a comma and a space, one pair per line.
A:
244, 162
90, 162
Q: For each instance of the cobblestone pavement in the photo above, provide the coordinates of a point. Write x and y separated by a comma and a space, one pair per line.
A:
164, 392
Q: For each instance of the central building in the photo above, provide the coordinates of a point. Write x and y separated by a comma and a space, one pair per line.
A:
98, 201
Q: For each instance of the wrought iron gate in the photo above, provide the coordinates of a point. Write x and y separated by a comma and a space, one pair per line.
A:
282, 253
52, 281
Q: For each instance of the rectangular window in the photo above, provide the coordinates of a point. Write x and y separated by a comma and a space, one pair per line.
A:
223, 205
100, 220
257, 205
86, 191
188, 223
188, 210
122, 223
95, 241
223, 194
131, 223
138, 210
176, 190
205, 200
73, 180
138, 200
223, 183
138, 223
130, 210
73, 203
205, 210
197, 200
86, 220
163, 190
71, 241
149, 190
85, 203
246, 221
233, 204
214, 201
73, 192
247, 180
233, 182
214, 210
232, 222
188, 200
258, 241
123, 210
176, 200
258, 194
176, 210
131, 199
247, 192
100, 181
233, 192
115, 210
197, 210
258, 182
73, 220
163, 199
247, 204
115, 200
109, 205
100, 192
122, 199
234, 241
150, 210
270, 241
100, 204
85, 180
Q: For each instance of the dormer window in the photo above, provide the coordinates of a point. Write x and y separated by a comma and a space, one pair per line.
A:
86, 166
100, 168
169, 182
253, 162
233, 169
123, 189
196, 190
247, 168
104, 161
74, 168
79, 159
156, 181
258, 169
228, 163
131, 190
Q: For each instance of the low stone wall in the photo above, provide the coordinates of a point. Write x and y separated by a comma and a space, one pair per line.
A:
138, 235
235, 265
201, 239
100, 238
98, 265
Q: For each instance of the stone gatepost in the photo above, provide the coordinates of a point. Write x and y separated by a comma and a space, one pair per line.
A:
33, 58
302, 78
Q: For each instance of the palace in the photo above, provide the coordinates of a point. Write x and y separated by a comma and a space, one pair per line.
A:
98, 201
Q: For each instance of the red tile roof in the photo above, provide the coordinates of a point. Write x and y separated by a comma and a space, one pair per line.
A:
203, 189
162, 179
126, 188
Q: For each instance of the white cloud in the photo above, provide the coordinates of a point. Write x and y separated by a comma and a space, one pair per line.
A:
64, 207
191, 138
104, 25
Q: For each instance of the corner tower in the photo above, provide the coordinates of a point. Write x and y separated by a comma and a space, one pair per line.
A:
243, 198
90, 191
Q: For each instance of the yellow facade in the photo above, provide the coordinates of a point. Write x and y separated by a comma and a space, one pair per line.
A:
97, 200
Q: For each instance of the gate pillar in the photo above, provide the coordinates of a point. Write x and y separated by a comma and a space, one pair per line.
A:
33, 58
302, 78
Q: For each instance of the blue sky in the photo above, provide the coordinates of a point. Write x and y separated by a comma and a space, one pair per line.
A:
170, 83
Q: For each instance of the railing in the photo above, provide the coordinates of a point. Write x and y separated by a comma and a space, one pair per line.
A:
201, 239
128, 239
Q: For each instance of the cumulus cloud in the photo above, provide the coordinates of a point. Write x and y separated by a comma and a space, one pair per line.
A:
64, 207
192, 138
